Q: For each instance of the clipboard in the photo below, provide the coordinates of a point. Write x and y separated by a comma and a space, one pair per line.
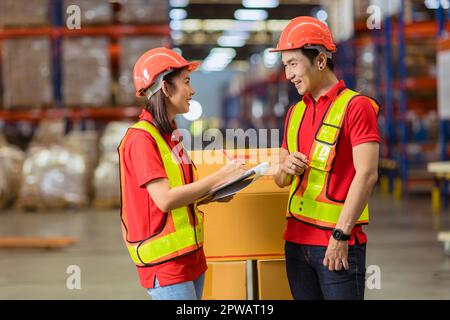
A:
235, 185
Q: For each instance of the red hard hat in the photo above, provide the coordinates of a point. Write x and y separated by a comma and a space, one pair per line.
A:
305, 31
153, 63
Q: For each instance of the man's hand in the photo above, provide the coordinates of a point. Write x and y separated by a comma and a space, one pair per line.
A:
295, 164
336, 256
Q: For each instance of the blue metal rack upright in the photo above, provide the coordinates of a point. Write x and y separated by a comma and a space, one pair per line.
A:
403, 152
444, 125
388, 93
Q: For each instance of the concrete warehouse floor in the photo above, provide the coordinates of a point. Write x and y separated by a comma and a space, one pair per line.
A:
402, 242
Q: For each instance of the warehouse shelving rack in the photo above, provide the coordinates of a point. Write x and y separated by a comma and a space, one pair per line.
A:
56, 32
396, 101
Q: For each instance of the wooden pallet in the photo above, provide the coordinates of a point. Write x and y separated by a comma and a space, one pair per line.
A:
105, 204
36, 242
36, 205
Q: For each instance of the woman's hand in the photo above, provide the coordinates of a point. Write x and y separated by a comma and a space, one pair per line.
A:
295, 164
229, 171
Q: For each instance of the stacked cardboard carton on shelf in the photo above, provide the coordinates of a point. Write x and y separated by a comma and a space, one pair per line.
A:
19, 13
131, 49
86, 72
92, 12
143, 11
27, 73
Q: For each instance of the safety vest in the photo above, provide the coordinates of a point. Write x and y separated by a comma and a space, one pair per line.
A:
182, 232
308, 198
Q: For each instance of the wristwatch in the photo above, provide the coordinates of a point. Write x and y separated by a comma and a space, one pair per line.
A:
339, 235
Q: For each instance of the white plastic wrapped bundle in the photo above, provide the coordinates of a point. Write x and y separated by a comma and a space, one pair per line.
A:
11, 160
106, 177
53, 176
113, 134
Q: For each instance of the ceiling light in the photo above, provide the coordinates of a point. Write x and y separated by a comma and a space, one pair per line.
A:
270, 58
251, 14
233, 39
260, 3
322, 15
177, 14
195, 111
179, 3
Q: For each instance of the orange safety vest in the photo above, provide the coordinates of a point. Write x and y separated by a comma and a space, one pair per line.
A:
182, 232
308, 197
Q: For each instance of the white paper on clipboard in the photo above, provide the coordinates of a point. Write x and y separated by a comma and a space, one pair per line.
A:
234, 186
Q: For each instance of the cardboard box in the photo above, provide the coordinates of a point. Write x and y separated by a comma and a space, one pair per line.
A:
272, 280
92, 11
225, 281
254, 221
143, 11
19, 13
86, 72
27, 73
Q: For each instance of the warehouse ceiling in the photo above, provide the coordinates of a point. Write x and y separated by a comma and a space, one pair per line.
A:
199, 26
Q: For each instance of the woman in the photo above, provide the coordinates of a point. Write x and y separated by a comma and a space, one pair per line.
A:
161, 224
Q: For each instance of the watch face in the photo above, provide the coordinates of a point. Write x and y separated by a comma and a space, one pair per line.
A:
337, 234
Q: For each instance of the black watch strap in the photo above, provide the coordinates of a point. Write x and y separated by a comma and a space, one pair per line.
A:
339, 235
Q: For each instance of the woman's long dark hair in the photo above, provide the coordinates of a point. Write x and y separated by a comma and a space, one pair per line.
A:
158, 109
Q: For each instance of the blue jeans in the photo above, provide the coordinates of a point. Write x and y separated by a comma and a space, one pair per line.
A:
309, 279
189, 290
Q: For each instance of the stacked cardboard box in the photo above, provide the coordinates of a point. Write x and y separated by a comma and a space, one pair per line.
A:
86, 72
91, 11
27, 72
143, 11
15, 13
131, 49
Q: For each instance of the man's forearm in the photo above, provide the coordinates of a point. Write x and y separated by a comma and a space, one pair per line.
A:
357, 198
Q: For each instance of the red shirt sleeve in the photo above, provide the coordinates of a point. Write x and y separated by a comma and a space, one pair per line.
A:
362, 122
145, 158
286, 120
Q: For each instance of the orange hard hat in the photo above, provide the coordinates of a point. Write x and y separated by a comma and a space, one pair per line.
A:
305, 32
153, 65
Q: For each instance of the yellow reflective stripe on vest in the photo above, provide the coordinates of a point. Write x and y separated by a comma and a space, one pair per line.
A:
184, 236
294, 126
322, 152
321, 211
170, 163
321, 159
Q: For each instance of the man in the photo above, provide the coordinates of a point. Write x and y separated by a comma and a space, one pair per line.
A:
329, 157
